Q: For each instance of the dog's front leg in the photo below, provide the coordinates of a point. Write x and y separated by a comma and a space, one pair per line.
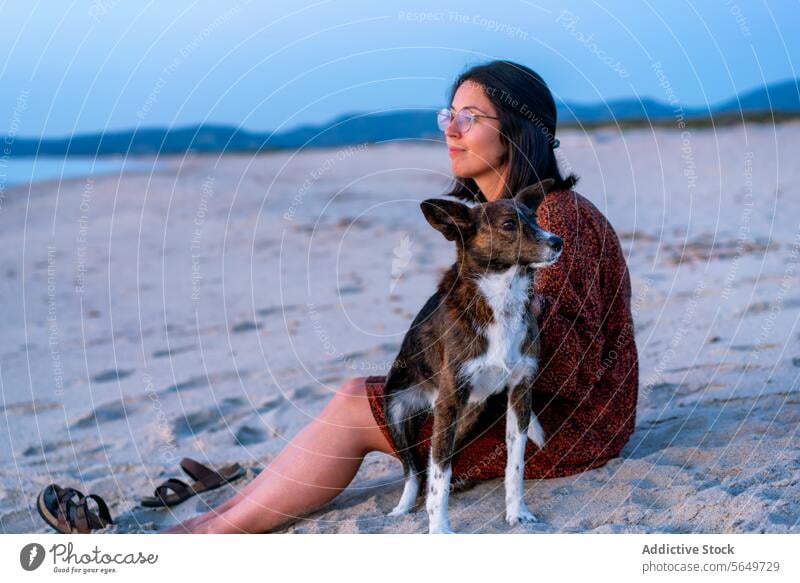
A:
446, 410
437, 500
518, 418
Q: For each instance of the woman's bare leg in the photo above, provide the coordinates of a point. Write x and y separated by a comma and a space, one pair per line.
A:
310, 471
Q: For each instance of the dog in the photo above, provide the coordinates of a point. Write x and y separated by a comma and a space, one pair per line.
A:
475, 337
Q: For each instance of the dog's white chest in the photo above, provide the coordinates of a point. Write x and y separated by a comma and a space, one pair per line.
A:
503, 363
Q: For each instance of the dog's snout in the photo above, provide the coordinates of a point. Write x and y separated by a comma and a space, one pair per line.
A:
556, 242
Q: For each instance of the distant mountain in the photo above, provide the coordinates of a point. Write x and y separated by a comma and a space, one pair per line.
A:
356, 128
619, 109
782, 97
143, 141
347, 129
353, 128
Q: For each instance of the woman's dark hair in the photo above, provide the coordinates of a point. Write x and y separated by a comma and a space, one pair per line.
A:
527, 115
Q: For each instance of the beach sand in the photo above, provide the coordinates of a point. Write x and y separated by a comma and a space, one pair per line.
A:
210, 309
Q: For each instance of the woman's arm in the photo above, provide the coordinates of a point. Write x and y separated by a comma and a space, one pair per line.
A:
570, 302
570, 359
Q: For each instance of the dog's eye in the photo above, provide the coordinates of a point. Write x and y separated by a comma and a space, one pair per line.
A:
509, 225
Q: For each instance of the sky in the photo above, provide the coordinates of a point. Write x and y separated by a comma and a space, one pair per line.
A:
85, 66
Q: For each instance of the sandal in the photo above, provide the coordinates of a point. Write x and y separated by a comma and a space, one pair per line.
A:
205, 479
67, 510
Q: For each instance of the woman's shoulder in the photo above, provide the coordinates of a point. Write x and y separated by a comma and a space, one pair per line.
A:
575, 218
570, 206
572, 202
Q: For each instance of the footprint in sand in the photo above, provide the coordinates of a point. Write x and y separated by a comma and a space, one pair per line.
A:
245, 327
42, 448
192, 383
268, 406
29, 407
203, 381
308, 392
111, 375
784, 517
215, 417
350, 289
648, 499
108, 412
86, 447
249, 435
277, 310
173, 351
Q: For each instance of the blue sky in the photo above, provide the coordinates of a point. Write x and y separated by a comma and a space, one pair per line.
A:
109, 64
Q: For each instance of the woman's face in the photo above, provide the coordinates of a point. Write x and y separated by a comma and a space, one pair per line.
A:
477, 152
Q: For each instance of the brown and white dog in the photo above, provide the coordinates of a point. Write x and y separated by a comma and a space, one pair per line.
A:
475, 337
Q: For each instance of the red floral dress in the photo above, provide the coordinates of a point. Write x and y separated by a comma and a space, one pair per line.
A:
585, 394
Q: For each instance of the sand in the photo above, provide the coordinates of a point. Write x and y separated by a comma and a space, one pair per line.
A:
209, 309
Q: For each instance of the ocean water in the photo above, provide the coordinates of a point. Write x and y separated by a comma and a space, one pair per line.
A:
21, 171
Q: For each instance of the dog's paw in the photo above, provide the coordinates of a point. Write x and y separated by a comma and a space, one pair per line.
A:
522, 516
399, 511
440, 530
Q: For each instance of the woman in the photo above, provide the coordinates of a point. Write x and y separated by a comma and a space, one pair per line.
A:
587, 388
500, 134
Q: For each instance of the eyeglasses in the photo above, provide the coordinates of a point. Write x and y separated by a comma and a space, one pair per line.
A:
464, 119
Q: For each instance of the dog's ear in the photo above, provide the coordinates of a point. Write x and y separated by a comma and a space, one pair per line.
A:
532, 196
452, 219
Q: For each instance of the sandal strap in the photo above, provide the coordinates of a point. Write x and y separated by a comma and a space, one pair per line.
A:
66, 494
177, 486
200, 473
63, 519
80, 517
68, 518
103, 514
